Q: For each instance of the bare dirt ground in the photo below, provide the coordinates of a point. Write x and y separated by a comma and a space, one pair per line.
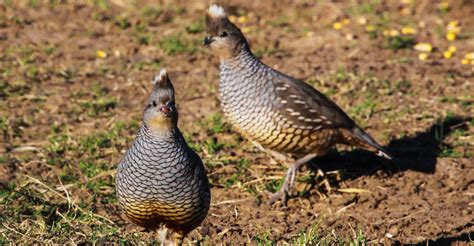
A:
74, 78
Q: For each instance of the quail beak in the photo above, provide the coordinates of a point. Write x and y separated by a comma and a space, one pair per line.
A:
207, 40
166, 110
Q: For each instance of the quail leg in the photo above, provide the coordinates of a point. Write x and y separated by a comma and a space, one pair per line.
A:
178, 238
163, 235
289, 179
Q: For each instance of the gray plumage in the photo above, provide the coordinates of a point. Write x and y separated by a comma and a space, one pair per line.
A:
282, 115
160, 180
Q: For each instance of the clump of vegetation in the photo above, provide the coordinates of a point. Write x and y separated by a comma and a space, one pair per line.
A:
176, 44
400, 42
196, 27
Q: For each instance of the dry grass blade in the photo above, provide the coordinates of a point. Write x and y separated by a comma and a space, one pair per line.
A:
231, 201
103, 174
353, 190
23, 235
65, 198
261, 179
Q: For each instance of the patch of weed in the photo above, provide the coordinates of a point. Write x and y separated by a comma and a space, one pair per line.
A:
274, 185
264, 239
67, 74
92, 143
50, 49
58, 143
365, 109
100, 105
175, 44
341, 74
403, 85
13, 88
196, 27
213, 146
123, 23
399, 42
101, 4
152, 12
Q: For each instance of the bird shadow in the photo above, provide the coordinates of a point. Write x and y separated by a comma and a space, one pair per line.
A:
418, 153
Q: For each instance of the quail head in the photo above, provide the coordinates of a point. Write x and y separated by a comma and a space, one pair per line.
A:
161, 183
283, 116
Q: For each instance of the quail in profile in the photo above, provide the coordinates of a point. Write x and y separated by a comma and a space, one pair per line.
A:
161, 183
283, 116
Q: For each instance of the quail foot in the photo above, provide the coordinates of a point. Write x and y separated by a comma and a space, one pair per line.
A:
280, 114
161, 183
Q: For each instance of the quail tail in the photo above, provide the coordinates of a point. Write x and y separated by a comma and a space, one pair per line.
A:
362, 135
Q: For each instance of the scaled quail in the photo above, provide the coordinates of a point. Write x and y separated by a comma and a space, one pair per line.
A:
161, 182
282, 115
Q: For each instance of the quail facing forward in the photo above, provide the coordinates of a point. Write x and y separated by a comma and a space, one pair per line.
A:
161, 182
284, 116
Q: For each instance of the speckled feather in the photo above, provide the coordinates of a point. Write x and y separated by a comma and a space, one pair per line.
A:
162, 181
281, 113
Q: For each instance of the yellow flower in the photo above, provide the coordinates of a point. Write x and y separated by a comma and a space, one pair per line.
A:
423, 56
451, 36
100, 54
464, 61
394, 33
369, 28
391, 33
443, 5
337, 25
242, 19
405, 11
408, 30
245, 29
447, 54
423, 47
452, 48
232, 18
453, 23
362, 20
453, 29
346, 21
469, 56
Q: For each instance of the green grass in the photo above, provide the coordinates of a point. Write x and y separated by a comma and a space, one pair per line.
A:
364, 110
54, 215
100, 105
365, 8
152, 12
64, 191
176, 44
399, 42
197, 27
264, 239
123, 23
341, 74
314, 235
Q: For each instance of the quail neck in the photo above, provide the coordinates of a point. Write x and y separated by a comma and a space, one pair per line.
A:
246, 85
167, 135
243, 70
161, 128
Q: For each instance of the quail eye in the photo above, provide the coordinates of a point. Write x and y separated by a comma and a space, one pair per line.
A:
223, 34
154, 104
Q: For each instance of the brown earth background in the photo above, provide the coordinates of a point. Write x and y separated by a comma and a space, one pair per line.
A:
74, 77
